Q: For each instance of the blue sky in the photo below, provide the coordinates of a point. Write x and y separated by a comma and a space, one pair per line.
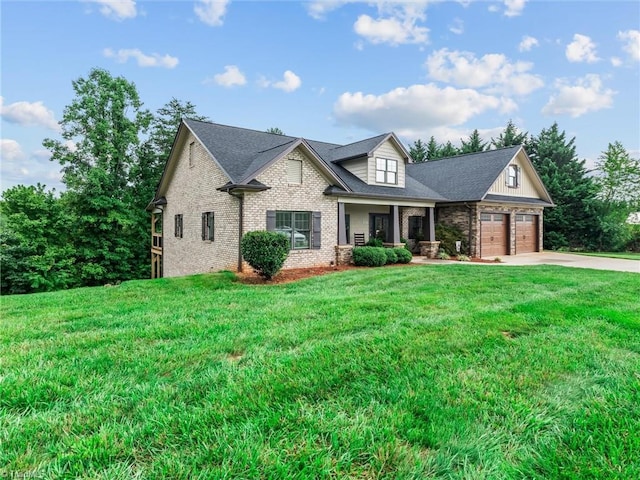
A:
337, 71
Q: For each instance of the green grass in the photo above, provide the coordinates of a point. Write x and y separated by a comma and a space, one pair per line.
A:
623, 255
441, 371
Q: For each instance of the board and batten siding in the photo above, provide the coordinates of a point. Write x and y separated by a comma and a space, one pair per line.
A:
306, 196
387, 151
191, 192
528, 185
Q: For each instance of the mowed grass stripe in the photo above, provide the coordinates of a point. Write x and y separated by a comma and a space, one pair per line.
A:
457, 372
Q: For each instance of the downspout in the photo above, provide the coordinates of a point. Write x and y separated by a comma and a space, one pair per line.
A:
240, 233
470, 226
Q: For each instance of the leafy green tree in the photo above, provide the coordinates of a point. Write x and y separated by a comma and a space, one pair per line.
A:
510, 137
275, 130
473, 144
433, 149
35, 250
104, 122
418, 151
619, 195
574, 221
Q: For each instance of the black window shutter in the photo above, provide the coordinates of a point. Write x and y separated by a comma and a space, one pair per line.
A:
175, 225
204, 226
316, 235
271, 220
211, 227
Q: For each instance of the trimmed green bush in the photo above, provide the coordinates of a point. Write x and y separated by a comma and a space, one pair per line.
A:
369, 256
392, 257
374, 242
404, 255
265, 252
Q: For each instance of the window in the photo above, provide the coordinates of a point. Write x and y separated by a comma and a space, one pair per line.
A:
191, 148
296, 226
513, 176
294, 172
177, 219
415, 228
207, 226
301, 228
386, 171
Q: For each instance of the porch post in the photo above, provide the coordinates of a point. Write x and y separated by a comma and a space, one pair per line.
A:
394, 220
431, 230
342, 225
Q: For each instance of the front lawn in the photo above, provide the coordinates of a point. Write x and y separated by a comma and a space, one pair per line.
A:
456, 371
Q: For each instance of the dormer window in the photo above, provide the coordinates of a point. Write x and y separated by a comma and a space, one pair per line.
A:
386, 171
513, 176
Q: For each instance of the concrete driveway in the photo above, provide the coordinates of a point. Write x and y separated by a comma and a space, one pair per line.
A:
573, 260
562, 259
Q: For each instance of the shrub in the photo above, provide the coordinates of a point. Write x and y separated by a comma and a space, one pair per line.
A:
265, 252
406, 242
374, 242
404, 255
392, 257
369, 256
447, 235
442, 255
463, 258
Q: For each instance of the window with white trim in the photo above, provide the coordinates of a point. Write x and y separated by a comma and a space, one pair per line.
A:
296, 226
294, 172
386, 171
513, 176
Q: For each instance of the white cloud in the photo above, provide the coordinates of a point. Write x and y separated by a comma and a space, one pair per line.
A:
527, 43
29, 114
415, 108
582, 49
514, 7
10, 150
289, 83
616, 61
586, 95
457, 26
232, 76
319, 9
631, 39
211, 12
117, 9
493, 72
389, 30
144, 60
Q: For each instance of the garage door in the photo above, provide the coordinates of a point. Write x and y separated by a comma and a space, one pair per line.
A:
526, 233
493, 234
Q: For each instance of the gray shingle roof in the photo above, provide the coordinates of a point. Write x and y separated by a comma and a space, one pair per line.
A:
464, 177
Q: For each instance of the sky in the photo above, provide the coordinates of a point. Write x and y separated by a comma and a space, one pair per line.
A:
335, 71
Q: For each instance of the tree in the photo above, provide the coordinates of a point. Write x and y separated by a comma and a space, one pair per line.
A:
574, 221
418, 151
448, 150
510, 137
433, 149
473, 144
35, 250
618, 185
275, 130
104, 122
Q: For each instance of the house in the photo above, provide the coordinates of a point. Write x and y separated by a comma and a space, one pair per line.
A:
222, 181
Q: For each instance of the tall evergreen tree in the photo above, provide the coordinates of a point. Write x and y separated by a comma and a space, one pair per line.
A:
275, 130
104, 122
418, 151
448, 150
433, 149
473, 144
510, 137
573, 222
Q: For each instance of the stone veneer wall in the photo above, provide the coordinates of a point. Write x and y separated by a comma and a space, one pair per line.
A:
191, 192
307, 196
404, 225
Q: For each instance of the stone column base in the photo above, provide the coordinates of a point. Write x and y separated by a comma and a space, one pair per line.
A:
429, 249
344, 254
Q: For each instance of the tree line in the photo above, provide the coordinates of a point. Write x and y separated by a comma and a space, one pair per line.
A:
112, 153
591, 207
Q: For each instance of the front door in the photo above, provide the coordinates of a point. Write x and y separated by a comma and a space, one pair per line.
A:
379, 226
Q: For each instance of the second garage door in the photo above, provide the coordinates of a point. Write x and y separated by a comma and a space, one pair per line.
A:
526, 233
493, 234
